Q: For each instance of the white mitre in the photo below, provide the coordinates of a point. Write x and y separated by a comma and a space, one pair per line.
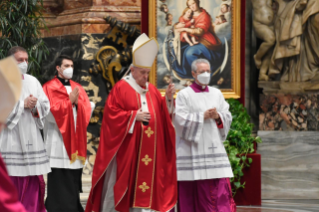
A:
11, 85
144, 51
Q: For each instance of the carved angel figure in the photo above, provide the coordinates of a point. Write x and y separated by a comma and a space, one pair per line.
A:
263, 23
295, 57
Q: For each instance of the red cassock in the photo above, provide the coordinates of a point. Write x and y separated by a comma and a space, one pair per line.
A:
75, 140
146, 159
8, 194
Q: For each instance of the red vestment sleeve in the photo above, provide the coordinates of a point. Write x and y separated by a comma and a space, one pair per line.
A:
8, 193
170, 179
115, 126
220, 125
75, 140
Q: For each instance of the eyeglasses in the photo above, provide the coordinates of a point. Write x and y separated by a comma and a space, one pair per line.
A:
200, 72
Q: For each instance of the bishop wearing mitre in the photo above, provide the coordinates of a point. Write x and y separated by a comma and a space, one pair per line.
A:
135, 166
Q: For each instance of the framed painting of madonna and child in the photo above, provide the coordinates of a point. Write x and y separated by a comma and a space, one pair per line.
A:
190, 29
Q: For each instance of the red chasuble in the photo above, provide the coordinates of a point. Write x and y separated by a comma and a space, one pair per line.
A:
75, 140
146, 159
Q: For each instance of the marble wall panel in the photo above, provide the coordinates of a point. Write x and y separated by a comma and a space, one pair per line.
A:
62, 30
96, 28
117, 2
289, 164
286, 112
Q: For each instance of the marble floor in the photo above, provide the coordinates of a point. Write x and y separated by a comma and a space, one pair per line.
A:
267, 205
283, 206
275, 206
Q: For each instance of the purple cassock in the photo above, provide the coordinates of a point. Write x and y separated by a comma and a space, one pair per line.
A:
31, 191
203, 168
213, 195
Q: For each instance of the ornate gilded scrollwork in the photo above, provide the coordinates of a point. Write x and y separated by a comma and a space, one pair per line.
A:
109, 60
113, 60
123, 28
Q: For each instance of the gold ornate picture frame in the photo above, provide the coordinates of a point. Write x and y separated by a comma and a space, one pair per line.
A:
165, 15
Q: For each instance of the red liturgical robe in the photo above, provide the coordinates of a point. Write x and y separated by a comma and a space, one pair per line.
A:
75, 139
146, 158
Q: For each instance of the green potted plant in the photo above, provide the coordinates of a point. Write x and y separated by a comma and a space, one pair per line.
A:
239, 143
20, 25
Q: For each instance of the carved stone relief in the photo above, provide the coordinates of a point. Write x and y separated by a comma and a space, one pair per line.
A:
289, 30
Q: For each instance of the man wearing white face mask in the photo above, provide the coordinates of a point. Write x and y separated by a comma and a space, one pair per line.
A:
65, 138
21, 143
202, 122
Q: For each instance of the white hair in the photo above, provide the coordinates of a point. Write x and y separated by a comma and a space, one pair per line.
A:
198, 61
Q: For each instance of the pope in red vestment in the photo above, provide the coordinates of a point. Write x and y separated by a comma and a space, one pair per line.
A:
138, 136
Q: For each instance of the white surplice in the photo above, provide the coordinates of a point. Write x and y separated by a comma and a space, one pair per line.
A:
21, 143
54, 141
199, 143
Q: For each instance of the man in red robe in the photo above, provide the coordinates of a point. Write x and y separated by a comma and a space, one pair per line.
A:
10, 81
135, 167
65, 137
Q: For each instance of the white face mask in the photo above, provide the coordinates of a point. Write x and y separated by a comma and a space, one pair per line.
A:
68, 73
204, 78
23, 67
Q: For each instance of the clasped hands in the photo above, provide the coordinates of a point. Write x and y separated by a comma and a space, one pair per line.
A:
74, 95
211, 114
30, 102
143, 116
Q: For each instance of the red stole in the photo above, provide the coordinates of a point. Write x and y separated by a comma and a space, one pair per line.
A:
144, 181
75, 140
146, 159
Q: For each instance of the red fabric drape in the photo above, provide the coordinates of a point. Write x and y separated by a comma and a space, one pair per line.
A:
75, 139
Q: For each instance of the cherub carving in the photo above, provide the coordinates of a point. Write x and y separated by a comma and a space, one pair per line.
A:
263, 23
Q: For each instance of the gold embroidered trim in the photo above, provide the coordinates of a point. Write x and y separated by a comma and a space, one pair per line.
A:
155, 144
75, 156
144, 187
139, 151
146, 160
149, 132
